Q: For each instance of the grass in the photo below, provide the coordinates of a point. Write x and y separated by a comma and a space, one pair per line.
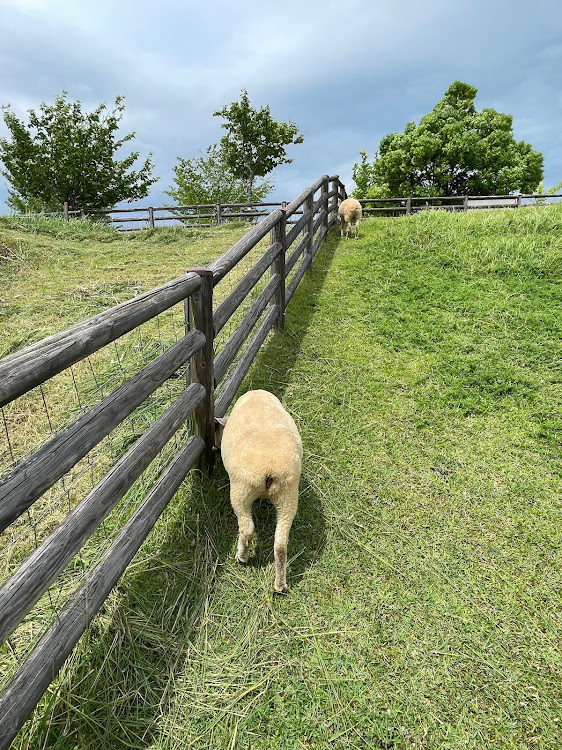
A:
422, 365
56, 274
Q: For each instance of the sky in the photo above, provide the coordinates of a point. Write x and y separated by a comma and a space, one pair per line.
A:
346, 73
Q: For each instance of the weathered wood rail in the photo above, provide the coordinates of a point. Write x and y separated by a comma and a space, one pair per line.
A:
149, 217
282, 266
464, 203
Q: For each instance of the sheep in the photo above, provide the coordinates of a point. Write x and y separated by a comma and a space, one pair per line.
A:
262, 452
350, 211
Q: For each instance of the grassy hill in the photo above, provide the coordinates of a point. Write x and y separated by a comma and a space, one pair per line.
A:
54, 274
422, 365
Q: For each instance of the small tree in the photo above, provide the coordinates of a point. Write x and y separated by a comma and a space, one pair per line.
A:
455, 150
255, 143
64, 154
363, 175
208, 179
541, 190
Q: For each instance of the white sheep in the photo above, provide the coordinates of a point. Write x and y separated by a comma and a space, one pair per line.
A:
350, 211
262, 452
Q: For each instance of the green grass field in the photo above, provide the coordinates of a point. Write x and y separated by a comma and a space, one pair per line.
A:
422, 365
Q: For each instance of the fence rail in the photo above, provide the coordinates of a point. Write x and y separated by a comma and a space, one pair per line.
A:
148, 217
414, 204
228, 310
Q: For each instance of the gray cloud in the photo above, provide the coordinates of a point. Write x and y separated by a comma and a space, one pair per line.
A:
347, 74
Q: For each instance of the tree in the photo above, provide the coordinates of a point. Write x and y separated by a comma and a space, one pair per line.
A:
210, 180
255, 143
541, 190
455, 150
65, 154
364, 178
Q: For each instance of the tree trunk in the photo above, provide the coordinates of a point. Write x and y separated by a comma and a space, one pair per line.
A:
250, 188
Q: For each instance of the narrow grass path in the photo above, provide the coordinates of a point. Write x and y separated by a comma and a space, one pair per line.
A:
426, 610
422, 365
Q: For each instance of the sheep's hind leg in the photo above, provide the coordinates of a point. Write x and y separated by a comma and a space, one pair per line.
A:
284, 523
245, 536
242, 505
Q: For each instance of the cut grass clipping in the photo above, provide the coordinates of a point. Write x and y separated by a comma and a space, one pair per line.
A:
422, 366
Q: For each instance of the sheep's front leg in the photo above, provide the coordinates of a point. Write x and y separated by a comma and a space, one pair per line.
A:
285, 518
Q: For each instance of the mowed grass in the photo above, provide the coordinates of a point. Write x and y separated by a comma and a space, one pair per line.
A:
422, 365
54, 275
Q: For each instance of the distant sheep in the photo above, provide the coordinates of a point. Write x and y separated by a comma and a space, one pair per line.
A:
350, 212
262, 452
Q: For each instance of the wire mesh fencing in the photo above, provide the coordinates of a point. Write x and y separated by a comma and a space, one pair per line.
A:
33, 420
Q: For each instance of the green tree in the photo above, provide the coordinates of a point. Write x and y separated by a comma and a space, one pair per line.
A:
255, 143
209, 179
541, 190
64, 154
455, 150
362, 176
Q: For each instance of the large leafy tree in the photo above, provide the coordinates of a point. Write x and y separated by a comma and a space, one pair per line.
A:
455, 150
66, 154
209, 179
254, 143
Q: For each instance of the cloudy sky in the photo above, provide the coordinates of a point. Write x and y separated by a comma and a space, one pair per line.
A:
346, 73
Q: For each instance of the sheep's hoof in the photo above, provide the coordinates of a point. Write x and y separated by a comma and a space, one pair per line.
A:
282, 591
242, 560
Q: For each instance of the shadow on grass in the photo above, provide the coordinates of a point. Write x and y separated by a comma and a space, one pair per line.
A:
120, 678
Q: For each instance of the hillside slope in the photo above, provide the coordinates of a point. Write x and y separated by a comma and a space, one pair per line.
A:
422, 366
53, 275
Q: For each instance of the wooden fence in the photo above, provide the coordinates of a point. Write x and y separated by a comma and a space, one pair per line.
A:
212, 214
214, 380
464, 203
203, 214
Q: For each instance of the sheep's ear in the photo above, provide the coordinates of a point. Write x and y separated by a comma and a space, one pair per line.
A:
219, 427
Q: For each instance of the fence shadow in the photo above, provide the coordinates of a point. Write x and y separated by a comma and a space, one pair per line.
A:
118, 681
275, 361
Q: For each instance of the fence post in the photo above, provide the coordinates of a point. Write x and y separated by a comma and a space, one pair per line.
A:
325, 201
151, 217
465, 204
518, 201
309, 228
201, 317
218, 213
408, 205
187, 327
336, 197
66, 214
277, 234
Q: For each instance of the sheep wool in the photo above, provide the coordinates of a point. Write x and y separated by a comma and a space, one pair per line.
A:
350, 212
262, 452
